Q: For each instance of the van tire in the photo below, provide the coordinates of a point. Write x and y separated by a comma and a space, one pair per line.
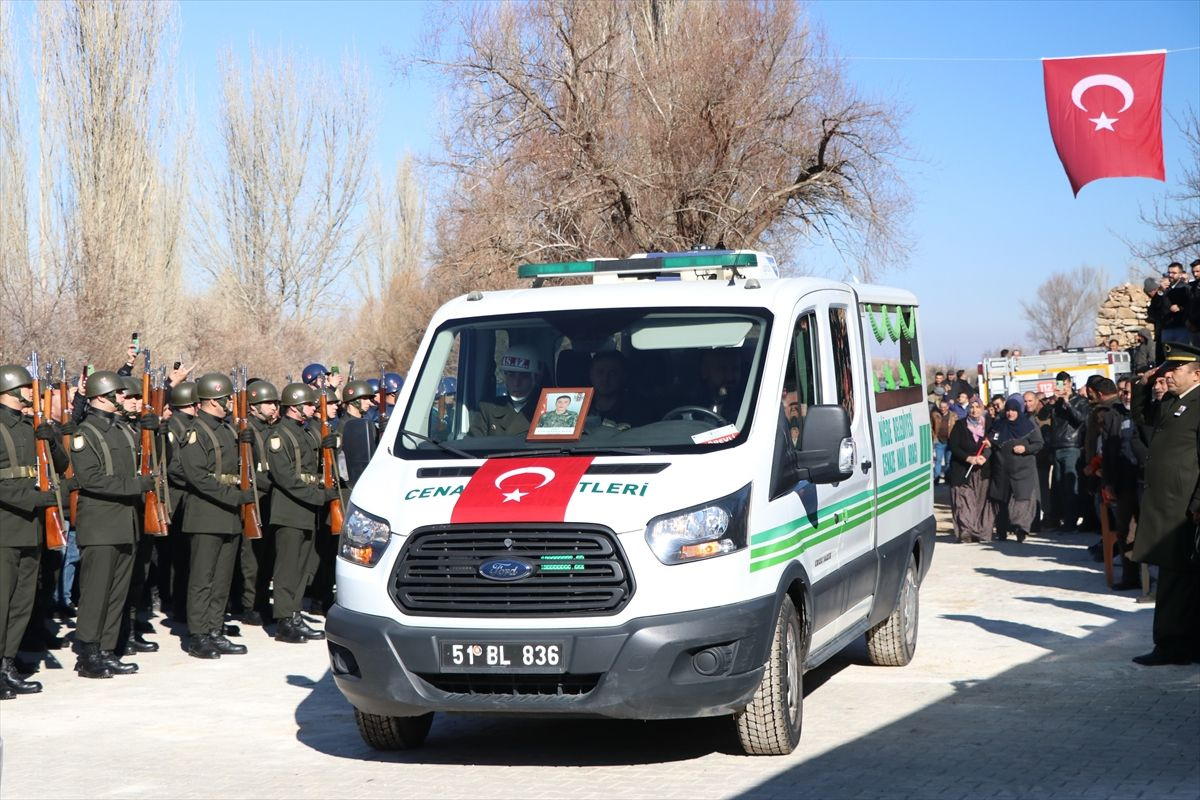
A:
893, 642
393, 733
770, 724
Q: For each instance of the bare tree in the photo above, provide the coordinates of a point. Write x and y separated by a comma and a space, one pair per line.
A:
582, 129
112, 178
1176, 219
278, 226
1063, 311
390, 320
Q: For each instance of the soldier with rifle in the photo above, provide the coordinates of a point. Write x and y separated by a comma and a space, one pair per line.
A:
212, 516
183, 401
24, 509
244, 591
359, 436
297, 500
323, 557
263, 400
104, 455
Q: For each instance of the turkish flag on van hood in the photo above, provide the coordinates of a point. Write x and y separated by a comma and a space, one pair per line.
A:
1106, 115
520, 490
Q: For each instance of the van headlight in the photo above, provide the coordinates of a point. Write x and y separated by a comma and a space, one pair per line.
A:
364, 537
703, 531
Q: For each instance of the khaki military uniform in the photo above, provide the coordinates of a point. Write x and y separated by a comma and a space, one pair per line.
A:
501, 419
104, 455
211, 519
22, 526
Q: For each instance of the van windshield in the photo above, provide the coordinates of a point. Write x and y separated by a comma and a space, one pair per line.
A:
622, 380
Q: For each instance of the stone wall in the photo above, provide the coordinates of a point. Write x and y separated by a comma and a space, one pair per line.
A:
1121, 314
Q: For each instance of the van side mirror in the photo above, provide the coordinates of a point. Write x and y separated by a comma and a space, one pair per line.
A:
827, 452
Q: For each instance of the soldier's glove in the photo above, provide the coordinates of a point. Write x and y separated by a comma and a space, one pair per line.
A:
44, 499
146, 483
332, 441
149, 422
247, 496
67, 428
246, 436
45, 433
332, 494
66, 484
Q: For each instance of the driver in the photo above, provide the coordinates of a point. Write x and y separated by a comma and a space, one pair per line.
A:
721, 372
512, 414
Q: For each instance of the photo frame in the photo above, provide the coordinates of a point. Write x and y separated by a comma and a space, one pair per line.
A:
559, 414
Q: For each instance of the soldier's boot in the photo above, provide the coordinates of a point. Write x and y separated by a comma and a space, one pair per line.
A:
201, 646
226, 647
286, 631
140, 644
10, 678
116, 665
6, 693
302, 626
90, 664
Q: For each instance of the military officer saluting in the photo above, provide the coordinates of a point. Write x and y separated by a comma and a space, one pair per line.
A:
104, 454
296, 501
211, 518
21, 519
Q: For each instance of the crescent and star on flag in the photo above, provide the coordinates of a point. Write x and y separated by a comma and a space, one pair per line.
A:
545, 473
1103, 122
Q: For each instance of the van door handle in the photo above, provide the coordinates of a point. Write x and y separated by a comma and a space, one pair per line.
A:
866, 465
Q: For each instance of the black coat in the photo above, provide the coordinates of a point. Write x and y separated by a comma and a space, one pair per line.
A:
962, 444
1014, 474
1165, 531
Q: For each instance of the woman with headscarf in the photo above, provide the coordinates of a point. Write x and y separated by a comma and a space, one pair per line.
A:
1015, 442
970, 468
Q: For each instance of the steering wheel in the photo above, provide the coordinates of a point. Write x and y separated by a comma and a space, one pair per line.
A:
690, 412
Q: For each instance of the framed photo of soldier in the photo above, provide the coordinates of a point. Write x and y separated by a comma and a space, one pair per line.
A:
559, 414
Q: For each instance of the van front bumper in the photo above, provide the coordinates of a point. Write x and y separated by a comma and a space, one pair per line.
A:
693, 664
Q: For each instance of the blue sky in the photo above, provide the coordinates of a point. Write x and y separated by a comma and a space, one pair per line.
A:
993, 212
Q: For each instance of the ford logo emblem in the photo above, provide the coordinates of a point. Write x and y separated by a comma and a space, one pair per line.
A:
505, 569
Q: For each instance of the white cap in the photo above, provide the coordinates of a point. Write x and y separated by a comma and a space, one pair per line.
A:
521, 358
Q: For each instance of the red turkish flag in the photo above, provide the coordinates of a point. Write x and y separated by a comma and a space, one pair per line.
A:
1106, 115
520, 490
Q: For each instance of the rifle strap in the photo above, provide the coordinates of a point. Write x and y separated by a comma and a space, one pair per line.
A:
212, 437
295, 449
100, 444
11, 449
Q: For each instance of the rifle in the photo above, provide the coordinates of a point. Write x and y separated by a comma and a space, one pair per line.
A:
328, 478
251, 513
155, 521
56, 534
64, 398
381, 405
159, 406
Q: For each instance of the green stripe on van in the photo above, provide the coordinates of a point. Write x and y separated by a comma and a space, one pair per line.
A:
785, 542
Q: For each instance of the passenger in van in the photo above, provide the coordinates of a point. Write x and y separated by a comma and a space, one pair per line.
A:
512, 414
721, 372
610, 405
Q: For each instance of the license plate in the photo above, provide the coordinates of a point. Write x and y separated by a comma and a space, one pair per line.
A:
502, 657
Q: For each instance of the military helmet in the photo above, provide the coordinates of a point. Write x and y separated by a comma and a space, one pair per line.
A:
14, 376
447, 386
295, 394
183, 394
392, 381
213, 386
133, 387
313, 373
521, 358
262, 392
374, 384
102, 383
356, 390
331, 395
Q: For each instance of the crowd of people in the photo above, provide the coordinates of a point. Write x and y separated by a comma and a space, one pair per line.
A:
208, 564
1128, 450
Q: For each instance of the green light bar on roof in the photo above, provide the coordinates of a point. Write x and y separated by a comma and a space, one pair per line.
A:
665, 262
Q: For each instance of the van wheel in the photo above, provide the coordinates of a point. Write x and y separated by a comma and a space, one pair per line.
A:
892, 642
393, 733
770, 724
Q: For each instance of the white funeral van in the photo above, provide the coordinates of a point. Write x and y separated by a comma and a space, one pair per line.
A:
664, 494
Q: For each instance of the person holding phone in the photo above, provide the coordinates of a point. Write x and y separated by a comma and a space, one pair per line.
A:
1068, 418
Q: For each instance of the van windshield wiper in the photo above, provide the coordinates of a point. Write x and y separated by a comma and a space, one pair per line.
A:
445, 448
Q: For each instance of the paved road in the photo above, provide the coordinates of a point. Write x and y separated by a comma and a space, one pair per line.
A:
1021, 687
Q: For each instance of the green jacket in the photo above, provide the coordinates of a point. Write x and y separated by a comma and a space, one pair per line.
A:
296, 496
501, 419
104, 454
177, 429
1165, 531
262, 471
209, 457
21, 517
